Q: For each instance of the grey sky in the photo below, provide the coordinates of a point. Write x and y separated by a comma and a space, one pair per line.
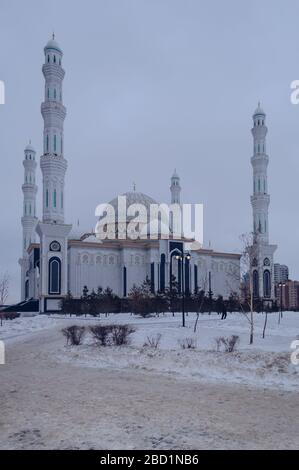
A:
150, 86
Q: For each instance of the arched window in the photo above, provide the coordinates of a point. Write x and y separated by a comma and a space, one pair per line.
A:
259, 185
54, 93
267, 283
48, 58
47, 143
59, 61
255, 283
55, 142
55, 198
54, 59
55, 276
47, 198
48, 93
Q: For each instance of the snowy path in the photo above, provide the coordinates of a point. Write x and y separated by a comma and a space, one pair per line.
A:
45, 404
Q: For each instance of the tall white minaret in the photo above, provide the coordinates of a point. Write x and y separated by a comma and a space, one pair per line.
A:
53, 232
53, 164
29, 219
262, 266
260, 199
175, 189
175, 221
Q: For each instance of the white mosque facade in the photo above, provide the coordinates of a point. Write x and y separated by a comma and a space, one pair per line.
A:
57, 259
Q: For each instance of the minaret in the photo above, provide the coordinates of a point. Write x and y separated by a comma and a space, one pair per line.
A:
53, 164
175, 221
260, 200
29, 219
52, 231
262, 266
175, 189
29, 188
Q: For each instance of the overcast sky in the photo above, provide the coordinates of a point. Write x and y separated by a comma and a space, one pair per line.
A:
153, 85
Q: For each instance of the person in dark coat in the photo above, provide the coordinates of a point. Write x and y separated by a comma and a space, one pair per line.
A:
224, 312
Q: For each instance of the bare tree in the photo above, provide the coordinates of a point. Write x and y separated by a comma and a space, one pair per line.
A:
249, 253
265, 323
4, 288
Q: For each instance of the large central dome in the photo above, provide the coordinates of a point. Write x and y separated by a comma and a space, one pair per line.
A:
134, 197
152, 223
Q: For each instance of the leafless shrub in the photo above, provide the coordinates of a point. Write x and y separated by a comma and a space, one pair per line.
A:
120, 334
74, 334
9, 315
279, 362
187, 343
229, 344
153, 341
218, 342
101, 334
232, 343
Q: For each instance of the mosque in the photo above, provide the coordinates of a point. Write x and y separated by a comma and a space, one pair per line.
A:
57, 259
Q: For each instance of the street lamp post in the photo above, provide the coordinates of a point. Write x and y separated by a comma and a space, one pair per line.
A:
281, 285
182, 257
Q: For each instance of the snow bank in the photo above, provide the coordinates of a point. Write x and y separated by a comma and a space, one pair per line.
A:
14, 329
266, 363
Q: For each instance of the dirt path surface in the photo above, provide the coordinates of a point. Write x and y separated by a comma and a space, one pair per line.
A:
50, 405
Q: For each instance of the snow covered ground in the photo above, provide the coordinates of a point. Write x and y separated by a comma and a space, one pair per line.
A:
134, 397
264, 364
14, 329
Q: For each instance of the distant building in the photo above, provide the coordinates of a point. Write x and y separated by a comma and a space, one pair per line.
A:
287, 294
281, 273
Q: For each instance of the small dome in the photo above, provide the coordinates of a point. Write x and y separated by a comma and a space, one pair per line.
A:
52, 44
259, 111
29, 148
